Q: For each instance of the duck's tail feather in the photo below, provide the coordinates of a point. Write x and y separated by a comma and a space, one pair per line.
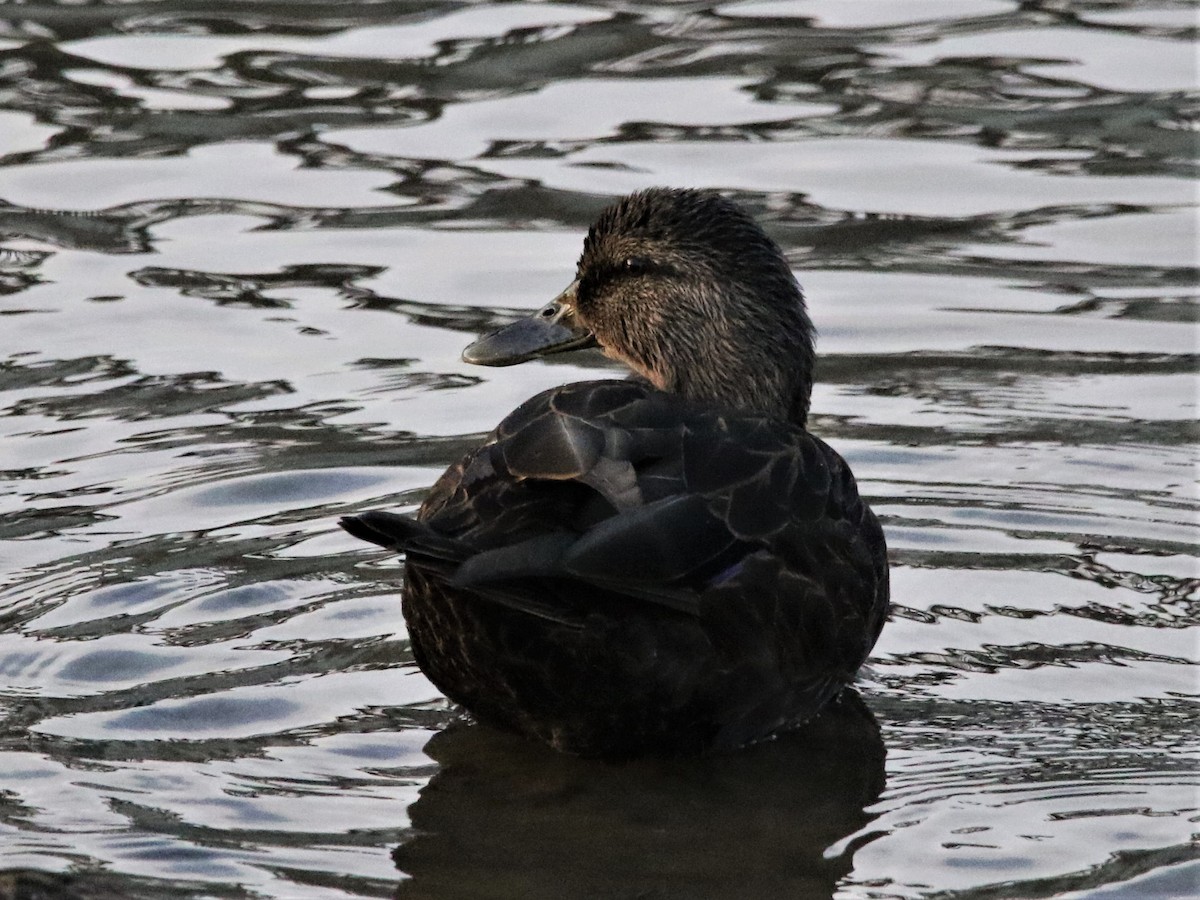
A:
404, 533
497, 574
444, 556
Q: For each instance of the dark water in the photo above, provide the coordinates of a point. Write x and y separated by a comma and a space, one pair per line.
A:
241, 247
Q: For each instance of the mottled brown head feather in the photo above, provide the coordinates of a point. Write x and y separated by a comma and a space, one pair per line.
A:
687, 289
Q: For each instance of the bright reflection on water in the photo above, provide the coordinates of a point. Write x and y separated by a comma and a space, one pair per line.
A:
241, 247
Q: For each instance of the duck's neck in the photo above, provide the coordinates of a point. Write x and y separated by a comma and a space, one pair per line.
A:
750, 385
742, 357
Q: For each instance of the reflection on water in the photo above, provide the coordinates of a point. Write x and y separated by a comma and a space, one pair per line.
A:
500, 819
241, 247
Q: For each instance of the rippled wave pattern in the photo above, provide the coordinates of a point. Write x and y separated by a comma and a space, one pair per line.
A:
241, 246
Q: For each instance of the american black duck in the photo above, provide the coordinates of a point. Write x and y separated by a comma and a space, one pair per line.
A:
668, 564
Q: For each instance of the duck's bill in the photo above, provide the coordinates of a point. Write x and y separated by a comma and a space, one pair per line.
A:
552, 329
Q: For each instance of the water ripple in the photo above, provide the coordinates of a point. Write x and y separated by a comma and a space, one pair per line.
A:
240, 252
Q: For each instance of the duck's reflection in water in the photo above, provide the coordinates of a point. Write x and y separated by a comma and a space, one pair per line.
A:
505, 818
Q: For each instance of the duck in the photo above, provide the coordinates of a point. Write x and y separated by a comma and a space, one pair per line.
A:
667, 564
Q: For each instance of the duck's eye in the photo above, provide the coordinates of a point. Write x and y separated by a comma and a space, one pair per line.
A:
635, 265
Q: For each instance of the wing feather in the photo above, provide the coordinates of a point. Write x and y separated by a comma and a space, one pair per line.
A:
615, 486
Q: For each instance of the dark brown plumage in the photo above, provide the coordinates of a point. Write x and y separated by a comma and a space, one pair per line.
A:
668, 564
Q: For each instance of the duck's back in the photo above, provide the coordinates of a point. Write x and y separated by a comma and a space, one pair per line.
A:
616, 572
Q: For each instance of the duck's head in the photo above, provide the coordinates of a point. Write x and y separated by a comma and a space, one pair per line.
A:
689, 292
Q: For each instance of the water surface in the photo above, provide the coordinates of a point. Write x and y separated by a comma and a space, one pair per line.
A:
241, 247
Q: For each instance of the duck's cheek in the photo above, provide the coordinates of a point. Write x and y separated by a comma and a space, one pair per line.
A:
617, 356
653, 376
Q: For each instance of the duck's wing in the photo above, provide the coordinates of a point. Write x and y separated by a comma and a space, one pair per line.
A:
621, 488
